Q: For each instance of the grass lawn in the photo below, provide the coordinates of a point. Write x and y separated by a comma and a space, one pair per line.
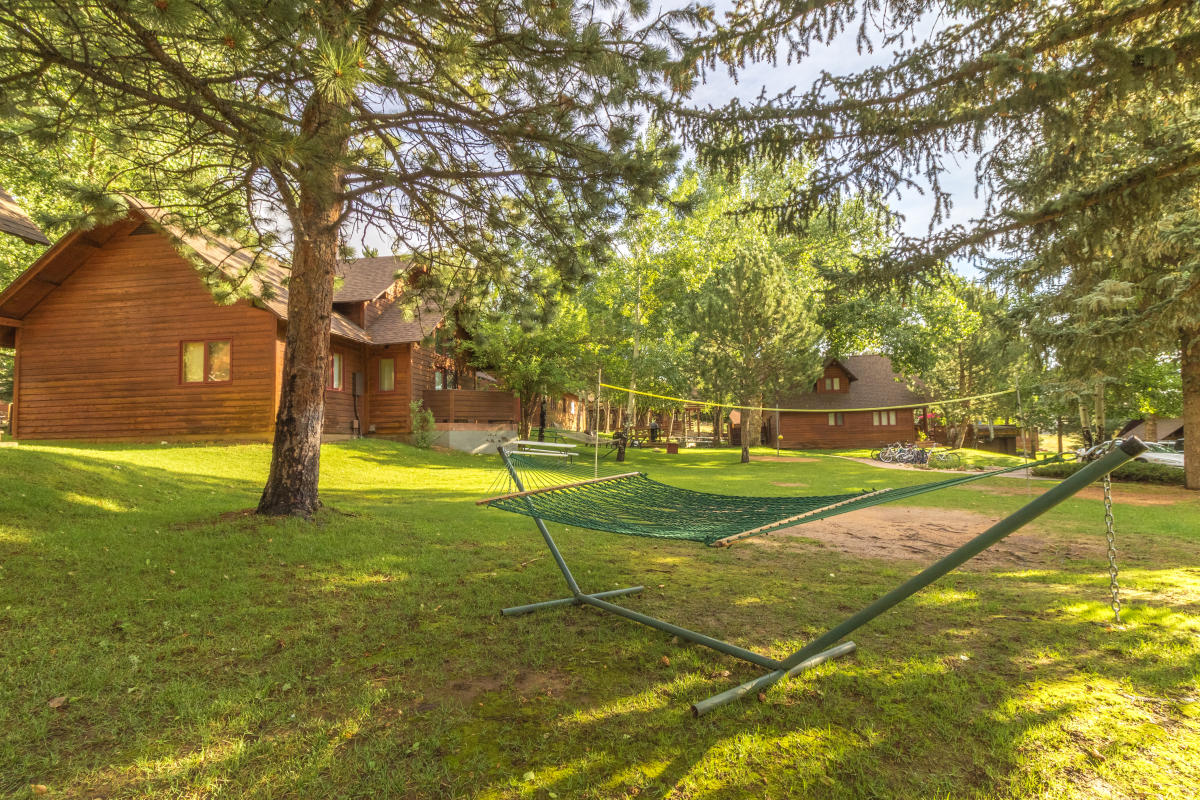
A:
971, 458
206, 653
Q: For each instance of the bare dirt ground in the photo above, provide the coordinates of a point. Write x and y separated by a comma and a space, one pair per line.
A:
926, 534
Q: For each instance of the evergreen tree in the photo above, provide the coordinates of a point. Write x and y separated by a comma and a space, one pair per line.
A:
1082, 116
757, 332
463, 132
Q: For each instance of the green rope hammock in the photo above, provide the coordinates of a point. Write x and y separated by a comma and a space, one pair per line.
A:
634, 505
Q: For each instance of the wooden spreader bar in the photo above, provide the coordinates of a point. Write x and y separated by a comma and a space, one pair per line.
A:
528, 492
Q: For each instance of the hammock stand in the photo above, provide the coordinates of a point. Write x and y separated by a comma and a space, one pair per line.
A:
824, 647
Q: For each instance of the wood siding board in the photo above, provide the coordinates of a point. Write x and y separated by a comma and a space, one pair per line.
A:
14, 416
802, 430
339, 405
100, 357
389, 411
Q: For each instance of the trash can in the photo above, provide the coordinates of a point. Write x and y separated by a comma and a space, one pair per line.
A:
672, 448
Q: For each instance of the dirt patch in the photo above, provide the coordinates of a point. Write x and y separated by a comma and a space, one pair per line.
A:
793, 459
525, 685
790, 485
926, 534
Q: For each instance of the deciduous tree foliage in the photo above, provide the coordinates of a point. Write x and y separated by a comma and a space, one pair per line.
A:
953, 340
537, 358
756, 324
1082, 116
463, 132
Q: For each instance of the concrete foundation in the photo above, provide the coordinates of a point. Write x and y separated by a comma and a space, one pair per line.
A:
474, 440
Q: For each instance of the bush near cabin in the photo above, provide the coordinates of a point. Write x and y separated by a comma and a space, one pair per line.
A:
1132, 472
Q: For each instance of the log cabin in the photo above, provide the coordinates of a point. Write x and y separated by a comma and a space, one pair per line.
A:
850, 382
117, 336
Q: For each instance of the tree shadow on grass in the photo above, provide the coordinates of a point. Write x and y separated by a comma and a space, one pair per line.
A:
363, 656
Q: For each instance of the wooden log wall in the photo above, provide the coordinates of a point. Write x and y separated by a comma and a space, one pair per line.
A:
389, 411
99, 357
472, 406
340, 405
814, 430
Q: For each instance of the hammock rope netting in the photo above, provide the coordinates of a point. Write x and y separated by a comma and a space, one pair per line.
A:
635, 505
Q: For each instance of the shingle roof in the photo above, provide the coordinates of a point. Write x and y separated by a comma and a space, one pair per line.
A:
398, 324
266, 280
876, 384
367, 278
15, 222
1167, 428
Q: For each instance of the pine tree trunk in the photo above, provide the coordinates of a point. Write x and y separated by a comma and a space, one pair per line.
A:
747, 418
1101, 422
964, 423
1190, 363
292, 486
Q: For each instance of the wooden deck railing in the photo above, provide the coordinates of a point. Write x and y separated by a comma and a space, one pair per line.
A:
470, 406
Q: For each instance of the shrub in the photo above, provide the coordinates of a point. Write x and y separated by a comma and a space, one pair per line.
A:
1132, 472
423, 429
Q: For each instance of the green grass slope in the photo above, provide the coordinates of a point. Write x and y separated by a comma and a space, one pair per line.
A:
203, 652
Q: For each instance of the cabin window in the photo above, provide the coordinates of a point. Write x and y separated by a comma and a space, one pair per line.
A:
837, 384
883, 417
836, 418
335, 372
829, 384
206, 362
387, 374
445, 379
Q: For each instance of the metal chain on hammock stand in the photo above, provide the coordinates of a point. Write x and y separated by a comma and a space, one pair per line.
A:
1111, 534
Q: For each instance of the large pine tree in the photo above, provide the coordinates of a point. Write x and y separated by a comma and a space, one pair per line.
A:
461, 131
1081, 115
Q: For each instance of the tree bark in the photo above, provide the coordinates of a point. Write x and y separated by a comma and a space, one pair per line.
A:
1101, 422
1190, 364
963, 424
291, 488
292, 485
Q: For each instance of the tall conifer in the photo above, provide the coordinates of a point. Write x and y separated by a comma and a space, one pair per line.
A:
1083, 118
476, 129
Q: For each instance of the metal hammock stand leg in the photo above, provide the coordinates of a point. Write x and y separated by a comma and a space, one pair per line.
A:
825, 646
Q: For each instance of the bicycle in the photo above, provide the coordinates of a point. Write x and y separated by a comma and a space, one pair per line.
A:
944, 459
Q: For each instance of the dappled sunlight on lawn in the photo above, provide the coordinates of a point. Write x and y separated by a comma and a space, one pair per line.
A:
206, 651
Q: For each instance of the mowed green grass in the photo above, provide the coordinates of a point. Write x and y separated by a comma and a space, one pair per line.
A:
207, 653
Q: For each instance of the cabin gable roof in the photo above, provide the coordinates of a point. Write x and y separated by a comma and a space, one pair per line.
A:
873, 383
16, 222
262, 278
365, 279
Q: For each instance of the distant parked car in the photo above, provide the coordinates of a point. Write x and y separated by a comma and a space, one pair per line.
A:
1156, 453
